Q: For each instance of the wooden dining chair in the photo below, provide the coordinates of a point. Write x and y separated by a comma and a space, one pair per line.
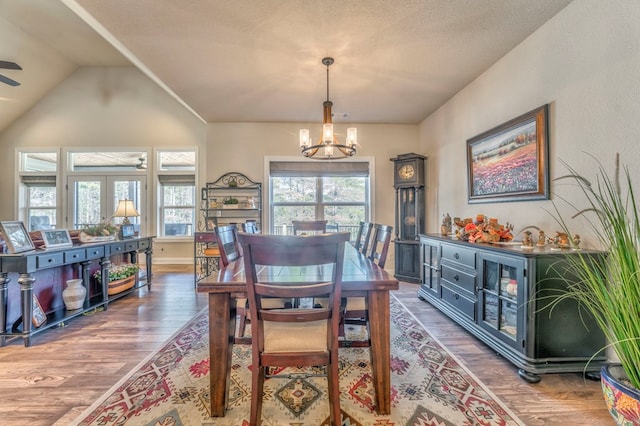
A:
309, 226
250, 227
227, 237
364, 235
229, 248
294, 337
357, 311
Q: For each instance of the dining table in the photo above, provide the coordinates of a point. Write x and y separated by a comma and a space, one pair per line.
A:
361, 277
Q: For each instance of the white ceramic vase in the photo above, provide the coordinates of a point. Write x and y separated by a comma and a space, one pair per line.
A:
73, 296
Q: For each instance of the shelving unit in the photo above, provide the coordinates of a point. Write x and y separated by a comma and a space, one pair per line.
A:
218, 209
216, 197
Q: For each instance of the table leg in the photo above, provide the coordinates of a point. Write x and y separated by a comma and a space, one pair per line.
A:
26, 306
4, 286
379, 326
222, 326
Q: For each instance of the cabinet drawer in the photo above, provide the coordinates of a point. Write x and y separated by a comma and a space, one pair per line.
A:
131, 246
461, 279
95, 253
49, 260
205, 237
143, 244
117, 248
462, 304
459, 255
72, 256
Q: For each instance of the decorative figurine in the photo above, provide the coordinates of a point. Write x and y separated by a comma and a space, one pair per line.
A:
527, 241
576, 242
542, 239
445, 228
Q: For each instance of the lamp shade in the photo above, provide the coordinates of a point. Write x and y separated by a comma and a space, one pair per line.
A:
126, 209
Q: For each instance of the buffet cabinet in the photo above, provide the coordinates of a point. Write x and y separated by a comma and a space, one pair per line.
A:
502, 294
38, 276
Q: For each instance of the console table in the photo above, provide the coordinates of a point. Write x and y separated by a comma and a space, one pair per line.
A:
79, 258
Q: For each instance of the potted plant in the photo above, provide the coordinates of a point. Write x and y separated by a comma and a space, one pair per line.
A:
230, 203
121, 277
610, 289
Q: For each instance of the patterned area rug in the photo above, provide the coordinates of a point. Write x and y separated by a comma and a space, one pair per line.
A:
429, 387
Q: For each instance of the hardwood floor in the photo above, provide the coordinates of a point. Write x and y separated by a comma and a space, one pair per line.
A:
67, 369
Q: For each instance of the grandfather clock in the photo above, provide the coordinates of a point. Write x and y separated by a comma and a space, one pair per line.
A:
408, 180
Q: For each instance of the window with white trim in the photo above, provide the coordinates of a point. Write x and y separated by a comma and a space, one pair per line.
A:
177, 205
336, 192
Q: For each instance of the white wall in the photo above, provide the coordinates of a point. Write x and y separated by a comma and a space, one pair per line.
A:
584, 62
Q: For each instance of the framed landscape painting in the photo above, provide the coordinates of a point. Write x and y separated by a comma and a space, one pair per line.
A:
510, 162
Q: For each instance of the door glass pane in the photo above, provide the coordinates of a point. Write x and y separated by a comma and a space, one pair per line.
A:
491, 276
127, 190
87, 204
491, 309
508, 319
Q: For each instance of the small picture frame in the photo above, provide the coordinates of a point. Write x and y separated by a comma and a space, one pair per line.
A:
127, 231
56, 238
211, 224
38, 317
16, 237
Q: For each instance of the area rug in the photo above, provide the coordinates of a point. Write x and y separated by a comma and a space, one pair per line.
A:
429, 387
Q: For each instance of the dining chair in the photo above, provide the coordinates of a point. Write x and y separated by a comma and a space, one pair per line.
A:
294, 337
227, 237
309, 226
364, 235
250, 227
356, 310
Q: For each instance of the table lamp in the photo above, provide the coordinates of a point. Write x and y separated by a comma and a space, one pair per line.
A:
126, 209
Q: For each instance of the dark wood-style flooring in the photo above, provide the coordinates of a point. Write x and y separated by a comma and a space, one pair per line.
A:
66, 369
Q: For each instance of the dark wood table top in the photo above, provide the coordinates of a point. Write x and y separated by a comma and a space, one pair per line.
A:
360, 274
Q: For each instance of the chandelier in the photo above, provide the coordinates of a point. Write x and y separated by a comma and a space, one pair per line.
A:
328, 147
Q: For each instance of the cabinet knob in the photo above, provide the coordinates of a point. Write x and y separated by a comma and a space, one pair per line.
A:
456, 277
456, 255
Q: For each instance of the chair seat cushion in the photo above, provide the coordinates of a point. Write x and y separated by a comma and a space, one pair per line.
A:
356, 304
295, 336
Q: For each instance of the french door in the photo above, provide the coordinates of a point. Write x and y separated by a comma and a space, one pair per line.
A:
94, 199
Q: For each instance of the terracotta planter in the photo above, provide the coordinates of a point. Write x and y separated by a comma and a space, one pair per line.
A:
118, 286
623, 401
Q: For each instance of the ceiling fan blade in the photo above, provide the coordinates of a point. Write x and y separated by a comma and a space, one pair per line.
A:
7, 80
10, 65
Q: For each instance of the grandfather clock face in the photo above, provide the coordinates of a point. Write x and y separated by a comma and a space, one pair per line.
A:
407, 173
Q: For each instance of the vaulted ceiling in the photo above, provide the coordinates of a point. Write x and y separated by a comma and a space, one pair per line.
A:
396, 61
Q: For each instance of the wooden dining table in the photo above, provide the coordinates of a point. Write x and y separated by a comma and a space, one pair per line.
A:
361, 277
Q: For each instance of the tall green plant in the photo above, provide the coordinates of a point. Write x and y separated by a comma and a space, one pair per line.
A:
610, 290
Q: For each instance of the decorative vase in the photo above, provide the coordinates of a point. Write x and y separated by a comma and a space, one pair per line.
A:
623, 400
73, 296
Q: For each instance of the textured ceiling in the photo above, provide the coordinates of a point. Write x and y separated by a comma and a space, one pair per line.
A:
260, 60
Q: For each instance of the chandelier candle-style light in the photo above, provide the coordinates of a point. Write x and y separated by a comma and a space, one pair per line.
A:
328, 147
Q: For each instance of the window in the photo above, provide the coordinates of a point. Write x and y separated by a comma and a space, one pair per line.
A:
336, 192
40, 202
177, 205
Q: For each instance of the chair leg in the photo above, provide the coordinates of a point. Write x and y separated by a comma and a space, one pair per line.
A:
333, 384
257, 391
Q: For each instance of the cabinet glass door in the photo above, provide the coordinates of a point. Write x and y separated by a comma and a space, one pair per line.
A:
502, 280
430, 266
